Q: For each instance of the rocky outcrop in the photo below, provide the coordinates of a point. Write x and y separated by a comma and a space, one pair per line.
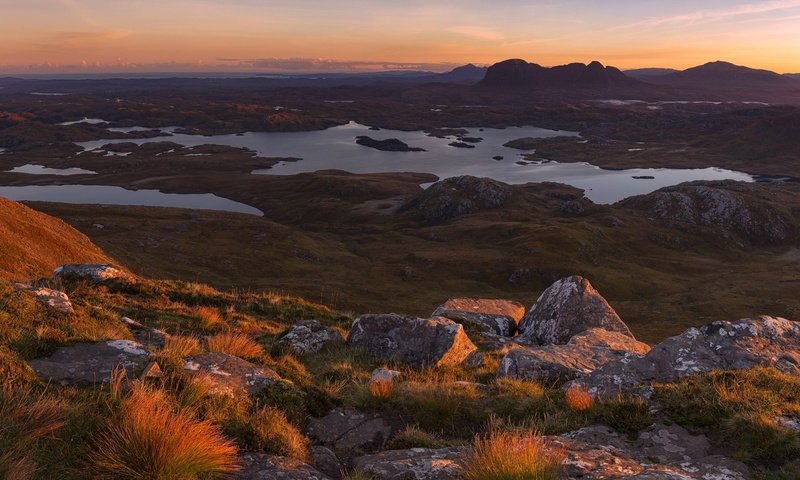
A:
733, 208
458, 196
308, 336
762, 341
88, 363
388, 145
496, 316
416, 342
347, 429
263, 466
568, 307
413, 464
229, 375
92, 271
583, 354
519, 73
659, 453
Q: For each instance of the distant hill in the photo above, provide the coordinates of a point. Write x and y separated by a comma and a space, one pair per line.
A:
519, 73
33, 244
793, 75
717, 75
645, 73
464, 74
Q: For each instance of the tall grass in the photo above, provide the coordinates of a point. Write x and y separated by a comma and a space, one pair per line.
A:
511, 455
146, 439
273, 432
235, 344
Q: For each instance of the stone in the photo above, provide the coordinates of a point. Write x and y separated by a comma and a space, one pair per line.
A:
326, 461
413, 464
762, 341
496, 316
230, 375
583, 354
385, 375
54, 299
568, 307
152, 370
348, 429
92, 271
263, 466
89, 363
454, 197
145, 335
416, 342
308, 336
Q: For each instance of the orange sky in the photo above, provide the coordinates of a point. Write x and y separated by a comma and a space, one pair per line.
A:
181, 35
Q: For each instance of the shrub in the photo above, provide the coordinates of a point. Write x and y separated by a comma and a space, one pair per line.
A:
579, 399
235, 344
511, 455
272, 431
147, 440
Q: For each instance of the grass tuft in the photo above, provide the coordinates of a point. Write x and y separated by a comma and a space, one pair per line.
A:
511, 455
578, 399
235, 344
272, 431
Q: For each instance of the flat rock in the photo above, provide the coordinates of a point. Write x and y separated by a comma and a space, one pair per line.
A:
413, 464
496, 316
92, 271
568, 307
583, 354
762, 341
145, 335
230, 375
90, 363
348, 429
263, 466
308, 336
416, 342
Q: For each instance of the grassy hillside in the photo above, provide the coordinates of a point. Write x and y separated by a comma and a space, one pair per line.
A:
33, 244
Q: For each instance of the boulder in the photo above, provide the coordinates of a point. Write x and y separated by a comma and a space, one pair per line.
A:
92, 271
326, 461
496, 316
89, 363
308, 336
263, 466
230, 375
54, 299
417, 342
385, 375
454, 197
413, 464
568, 307
348, 429
584, 353
763, 341
145, 335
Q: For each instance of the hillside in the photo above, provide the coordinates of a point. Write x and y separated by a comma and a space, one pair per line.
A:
33, 244
725, 75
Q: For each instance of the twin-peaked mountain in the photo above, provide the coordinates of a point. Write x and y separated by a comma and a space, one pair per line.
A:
519, 73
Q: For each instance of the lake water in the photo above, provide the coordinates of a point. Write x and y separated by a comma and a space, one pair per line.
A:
335, 148
31, 169
107, 195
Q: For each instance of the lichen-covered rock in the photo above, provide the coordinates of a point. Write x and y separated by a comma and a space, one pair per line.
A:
54, 299
457, 196
308, 336
413, 464
385, 375
263, 466
229, 375
583, 354
417, 342
89, 363
92, 271
568, 307
748, 343
496, 316
348, 429
145, 335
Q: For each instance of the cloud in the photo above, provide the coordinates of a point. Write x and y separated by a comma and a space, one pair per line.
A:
84, 39
478, 32
717, 14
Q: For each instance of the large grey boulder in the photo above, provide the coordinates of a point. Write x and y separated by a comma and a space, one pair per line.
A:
763, 341
583, 354
457, 196
490, 315
263, 466
416, 342
92, 271
413, 464
229, 375
89, 363
349, 429
568, 307
308, 336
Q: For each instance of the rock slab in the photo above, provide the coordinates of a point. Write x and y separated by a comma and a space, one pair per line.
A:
496, 316
229, 375
262, 466
90, 363
92, 271
413, 464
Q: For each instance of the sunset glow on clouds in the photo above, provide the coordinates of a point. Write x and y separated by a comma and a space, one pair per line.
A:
305, 35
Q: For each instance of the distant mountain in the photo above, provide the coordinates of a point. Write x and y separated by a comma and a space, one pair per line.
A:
725, 75
519, 73
793, 75
464, 74
645, 73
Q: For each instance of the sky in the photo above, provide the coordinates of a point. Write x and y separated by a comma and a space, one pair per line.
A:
38, 36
